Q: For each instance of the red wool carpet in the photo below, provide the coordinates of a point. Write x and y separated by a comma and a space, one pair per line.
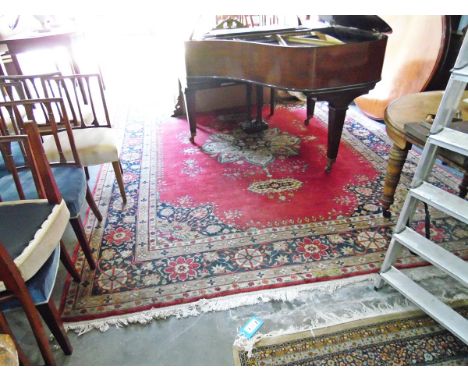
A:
262, 180
238, 213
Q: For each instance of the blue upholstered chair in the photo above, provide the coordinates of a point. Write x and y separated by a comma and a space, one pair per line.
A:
17, 154
67, 172
34, 296
30, 244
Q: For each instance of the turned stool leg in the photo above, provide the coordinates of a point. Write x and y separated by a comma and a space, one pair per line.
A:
396, 161
464, 185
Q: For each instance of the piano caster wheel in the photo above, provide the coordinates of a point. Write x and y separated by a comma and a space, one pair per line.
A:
192, 140
386, 214
329, 165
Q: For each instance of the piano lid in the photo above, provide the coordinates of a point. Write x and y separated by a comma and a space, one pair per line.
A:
365, 22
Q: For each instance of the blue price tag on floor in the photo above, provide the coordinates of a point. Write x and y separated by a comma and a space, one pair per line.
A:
251, 327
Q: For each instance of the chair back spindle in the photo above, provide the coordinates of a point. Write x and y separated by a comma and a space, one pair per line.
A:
84, 108
16, 110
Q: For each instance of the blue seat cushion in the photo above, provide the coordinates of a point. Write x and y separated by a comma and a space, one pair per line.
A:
71, 182
18, 158
17, 155
24, 220
40, 286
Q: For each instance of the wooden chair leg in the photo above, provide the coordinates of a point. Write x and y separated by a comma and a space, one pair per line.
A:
67, 263
52, 318
86, 172
92, 204
5, 328
77, 226
14, 283
119, 178
37, 328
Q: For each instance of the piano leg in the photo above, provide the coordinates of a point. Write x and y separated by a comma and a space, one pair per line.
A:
249, 101
336, 118
310, 108
259, 103
272, 101
258, 124
179, 106
189, 96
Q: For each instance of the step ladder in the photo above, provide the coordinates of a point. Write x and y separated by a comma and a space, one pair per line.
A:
440, 135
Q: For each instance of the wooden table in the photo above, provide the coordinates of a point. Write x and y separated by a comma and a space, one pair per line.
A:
24, 42
413, 108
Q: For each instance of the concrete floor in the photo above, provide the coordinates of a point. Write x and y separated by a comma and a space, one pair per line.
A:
208, 339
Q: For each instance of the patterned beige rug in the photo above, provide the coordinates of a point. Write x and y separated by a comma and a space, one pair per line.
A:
403, 339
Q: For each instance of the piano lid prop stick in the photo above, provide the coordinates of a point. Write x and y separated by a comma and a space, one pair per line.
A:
280, 40
327, 37
311, 41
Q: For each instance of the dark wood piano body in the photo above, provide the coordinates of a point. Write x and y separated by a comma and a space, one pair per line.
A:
336, 73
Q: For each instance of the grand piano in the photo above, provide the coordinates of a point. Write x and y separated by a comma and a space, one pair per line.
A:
334, 62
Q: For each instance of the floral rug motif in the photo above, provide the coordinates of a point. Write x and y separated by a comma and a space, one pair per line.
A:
238, 213
404, 339
257, 149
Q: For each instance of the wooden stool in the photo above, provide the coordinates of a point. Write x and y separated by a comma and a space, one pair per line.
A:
413, 108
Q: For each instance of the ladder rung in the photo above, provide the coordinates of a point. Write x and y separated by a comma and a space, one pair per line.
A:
450, 139
460, 74
442, 200
435, 254
435, 308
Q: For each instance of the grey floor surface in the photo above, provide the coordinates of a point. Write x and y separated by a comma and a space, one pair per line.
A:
208, 339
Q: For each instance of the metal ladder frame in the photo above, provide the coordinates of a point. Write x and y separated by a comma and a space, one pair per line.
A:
440, 135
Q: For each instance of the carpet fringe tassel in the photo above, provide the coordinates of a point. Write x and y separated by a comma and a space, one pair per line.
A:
326, 319
251, 298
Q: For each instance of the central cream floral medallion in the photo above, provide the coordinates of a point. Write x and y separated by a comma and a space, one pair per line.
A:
282, 188
258, 149
275, 185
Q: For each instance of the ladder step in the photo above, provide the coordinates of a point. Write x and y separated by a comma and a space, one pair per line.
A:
442, 200
460, 74
450, 139
435, 254
435, 308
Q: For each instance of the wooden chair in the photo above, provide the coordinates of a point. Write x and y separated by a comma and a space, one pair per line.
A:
87, 111
16, 90
68, 172
30, 246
